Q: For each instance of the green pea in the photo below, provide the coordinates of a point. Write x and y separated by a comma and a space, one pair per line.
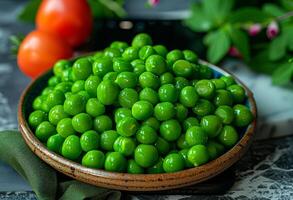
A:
145, 52
47, 91
121, 65
91, 84
111, 76
228, 136
198, 155
182, 68
65, 128
188, 96
220, 148
152, 122
37, 117
170, 130
146, 155
219, 83
115, 162
56, 114
180, 83
63, 86
77, 86
181, 112
137, 62
37, 103
156, 168
196, 135
60, 66
167, 78
44, 130
182, 143
94, 107
173, 162
156, 64
229, 80
121, 113
55, 143
107, 140
164, 111
212, 150
82, 122
146, 135
139, 69
148, 79
84, 95
205, 72
53, 81
212, 125
195, 71
134, 168
223, 97
107, 92
141, 40
127, 97
184, 153
205, 89
237, 92
97, 55
82, 68
168, 93
203, 107
93, 159
142, 110
242, 116
161, 50
54, 98
71, 148
68, 75
90, 140
102, 123
226, 113
190, 56
74, 104
112, 52
102, 66
126, 80
130, 54
121, 46
127, 126
174, 55
150, 95
162, 146
189, 122
124, 145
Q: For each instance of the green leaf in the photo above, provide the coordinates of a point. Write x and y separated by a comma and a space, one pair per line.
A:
218, 47
107, 9
260, 62
273, 10
240, 40
210, 37
277, 48
283, 74
29, 12
287, 4
248, 14
288, 32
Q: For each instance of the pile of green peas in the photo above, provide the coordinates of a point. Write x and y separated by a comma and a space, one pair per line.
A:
139, 109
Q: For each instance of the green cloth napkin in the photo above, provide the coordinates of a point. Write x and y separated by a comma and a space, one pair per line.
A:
44, 180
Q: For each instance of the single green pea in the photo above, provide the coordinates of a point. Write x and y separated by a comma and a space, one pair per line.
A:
156, 168
44, 130
54, 98
237, 92
82, 68
107, 92
150, 95
212, 125
64, 86
97, 55
91, 84
130, 54
82, 122
196, 135
53, 81
137, 62
124, 145
174, 55
205, 89
47, 91
127, 97
156, 64
93, 159
170, 130
77, 86
182, 68
212, 150
180, 83
223, 97
190, 56
189, 122
112, 53
68, 75
167, 78
228, 136
90, 140
146, 135
146, 155
45, 106
65, 128
242, 116
37, 103
126, 80
37, 117
55, 143
139, 69
205, 72
182, 143
173, 162
84, 95
219, 83
127, 126
229, 80
121, 65
102, 66
161, 50
145, 52
68, 94
164, 111
56, 114
181, 112
121, 46
198, 155
121, 113
168, 93
60, 66
148, 79
107, 140
142, 110
102, 123
141, 40
188, 96
111, 76
226, 113
94, 107
71, 148
220, 148
115, 162
162, 146
134, 168
152, 122
74, 104
184, 153
203, 107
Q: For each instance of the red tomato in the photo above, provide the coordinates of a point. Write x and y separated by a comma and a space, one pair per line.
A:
39, 51
69, 19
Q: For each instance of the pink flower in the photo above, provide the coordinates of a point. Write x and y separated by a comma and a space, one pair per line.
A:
272, 30
254, 29
234, 52
153, 2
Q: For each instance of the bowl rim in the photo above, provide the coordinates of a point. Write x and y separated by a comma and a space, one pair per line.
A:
82, 173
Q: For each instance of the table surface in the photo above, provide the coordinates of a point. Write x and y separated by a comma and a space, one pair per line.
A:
266, 171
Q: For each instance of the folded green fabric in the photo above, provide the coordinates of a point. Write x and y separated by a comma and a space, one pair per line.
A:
43, 179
